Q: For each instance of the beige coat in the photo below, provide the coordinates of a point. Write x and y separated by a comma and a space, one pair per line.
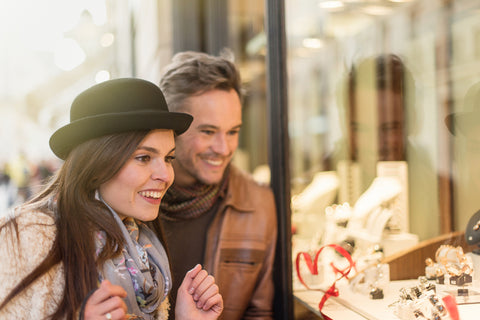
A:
36, 235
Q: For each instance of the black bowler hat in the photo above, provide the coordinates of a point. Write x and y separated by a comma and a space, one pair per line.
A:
115, 106
464, 122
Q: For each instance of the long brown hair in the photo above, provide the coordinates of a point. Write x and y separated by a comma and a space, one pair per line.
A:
78, 215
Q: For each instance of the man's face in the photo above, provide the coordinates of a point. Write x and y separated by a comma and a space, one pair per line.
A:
206, 148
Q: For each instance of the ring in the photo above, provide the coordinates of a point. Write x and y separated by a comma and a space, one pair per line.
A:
108, 316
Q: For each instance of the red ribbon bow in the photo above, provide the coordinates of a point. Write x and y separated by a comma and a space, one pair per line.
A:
313, 268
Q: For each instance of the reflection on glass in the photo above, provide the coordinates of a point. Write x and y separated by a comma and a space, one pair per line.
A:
369, 102
464, 124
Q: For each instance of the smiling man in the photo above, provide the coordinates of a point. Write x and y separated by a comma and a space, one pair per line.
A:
214, 213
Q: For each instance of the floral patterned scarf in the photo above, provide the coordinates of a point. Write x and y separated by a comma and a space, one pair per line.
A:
142, 269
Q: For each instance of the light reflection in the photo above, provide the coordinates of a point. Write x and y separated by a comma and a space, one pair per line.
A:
102, 75
107, 40
331, 5
312, 43
377, 10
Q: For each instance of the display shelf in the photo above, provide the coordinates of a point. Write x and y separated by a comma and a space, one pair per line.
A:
357, 306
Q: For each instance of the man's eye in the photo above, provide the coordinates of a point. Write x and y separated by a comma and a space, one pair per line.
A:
208, 132
233, 132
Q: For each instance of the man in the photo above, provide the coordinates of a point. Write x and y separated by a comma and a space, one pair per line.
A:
214, 213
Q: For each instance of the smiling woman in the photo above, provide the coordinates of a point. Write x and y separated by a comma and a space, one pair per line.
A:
137, 189
89, 220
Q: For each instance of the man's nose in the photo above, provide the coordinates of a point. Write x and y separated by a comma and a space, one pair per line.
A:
221, 145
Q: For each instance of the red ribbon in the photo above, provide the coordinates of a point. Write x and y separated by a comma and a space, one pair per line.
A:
313, 268
451, 306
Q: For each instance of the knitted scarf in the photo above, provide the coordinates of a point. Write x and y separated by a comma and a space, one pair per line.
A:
183, 203
142, 269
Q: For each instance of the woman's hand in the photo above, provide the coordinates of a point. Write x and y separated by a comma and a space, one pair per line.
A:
106, 303
198, 297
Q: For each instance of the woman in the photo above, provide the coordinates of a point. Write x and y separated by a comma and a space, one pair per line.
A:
79, 249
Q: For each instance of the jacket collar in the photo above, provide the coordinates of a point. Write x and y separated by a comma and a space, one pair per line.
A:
238, 196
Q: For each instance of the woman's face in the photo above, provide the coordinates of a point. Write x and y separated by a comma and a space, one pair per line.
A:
137, 189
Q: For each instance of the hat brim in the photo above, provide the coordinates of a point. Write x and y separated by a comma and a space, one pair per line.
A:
467, 122
67, 137
463, 123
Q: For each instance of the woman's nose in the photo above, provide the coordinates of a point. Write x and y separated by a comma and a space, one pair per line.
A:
161, 171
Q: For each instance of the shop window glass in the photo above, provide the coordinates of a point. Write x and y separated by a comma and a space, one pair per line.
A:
370, 85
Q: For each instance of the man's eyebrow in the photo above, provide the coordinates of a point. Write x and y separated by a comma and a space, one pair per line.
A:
207, 126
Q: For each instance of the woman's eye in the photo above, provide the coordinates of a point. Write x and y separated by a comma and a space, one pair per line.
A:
143, 158
169, 159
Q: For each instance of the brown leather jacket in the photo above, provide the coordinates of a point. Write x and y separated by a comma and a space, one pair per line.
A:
240, 248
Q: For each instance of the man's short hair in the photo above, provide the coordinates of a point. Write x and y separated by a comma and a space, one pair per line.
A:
192, 73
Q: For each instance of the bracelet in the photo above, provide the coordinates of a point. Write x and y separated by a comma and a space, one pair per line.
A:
81, 315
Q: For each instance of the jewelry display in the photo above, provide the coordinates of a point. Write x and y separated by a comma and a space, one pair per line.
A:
376, 293
309, 205
451, 266
430, 269
372, 220
371, 280
361, 232
444, 292
422, 302
426, 285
